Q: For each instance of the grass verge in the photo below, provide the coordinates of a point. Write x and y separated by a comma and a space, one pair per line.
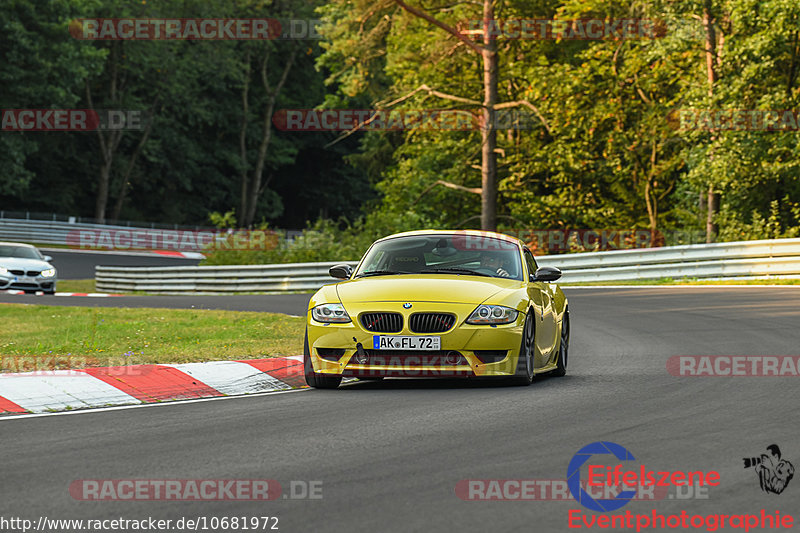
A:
40, 337
76, 285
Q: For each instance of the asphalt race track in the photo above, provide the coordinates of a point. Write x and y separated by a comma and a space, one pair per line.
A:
389, 454
80, 264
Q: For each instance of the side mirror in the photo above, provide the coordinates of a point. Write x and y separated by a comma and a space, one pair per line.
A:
547, 274
341, 271
48, 258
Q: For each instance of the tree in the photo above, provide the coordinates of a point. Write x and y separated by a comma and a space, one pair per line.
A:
485, 49
253, 183
43, 68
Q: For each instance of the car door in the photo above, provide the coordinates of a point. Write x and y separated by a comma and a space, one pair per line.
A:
542, 297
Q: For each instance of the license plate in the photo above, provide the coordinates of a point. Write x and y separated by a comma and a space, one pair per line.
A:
390, 342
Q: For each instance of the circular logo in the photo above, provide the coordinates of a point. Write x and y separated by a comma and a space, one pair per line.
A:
574, 476
407, 306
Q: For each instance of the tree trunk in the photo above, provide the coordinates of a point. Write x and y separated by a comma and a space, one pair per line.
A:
126, 179
651, 200
243, 141
711, 47
488, 131
713, 207
108, 147
108, 143
101, 201
255, 187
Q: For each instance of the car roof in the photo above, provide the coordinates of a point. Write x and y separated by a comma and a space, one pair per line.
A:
468, 232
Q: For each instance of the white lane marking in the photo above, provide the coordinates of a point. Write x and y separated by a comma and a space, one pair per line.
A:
145, 405
87, 295
60, 390
231, 377
78, 294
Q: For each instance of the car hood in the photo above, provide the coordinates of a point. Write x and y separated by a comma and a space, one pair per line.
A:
24, 264
427, 288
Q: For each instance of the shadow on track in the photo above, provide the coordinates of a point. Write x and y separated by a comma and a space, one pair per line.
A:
458, 383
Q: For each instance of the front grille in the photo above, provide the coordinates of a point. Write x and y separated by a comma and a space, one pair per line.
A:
382, 322
431, 322
34, 273
21, 286
17, 272
401, 358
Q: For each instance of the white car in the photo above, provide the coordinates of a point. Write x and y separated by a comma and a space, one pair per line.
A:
24, 268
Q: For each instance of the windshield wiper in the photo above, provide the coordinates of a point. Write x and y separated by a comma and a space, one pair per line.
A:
381, 273
455, 271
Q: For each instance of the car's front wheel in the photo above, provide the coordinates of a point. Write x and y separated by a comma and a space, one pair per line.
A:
563, 348
315, 379
527, 349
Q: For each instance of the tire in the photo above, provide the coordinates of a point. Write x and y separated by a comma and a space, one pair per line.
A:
315, 379
563, 348
527, 349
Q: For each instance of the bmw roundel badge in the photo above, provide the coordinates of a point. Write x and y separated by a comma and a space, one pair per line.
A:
406, 306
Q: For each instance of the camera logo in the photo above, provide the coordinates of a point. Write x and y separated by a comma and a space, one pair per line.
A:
773, 472
574, 476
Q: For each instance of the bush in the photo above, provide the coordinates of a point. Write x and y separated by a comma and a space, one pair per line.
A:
323, 241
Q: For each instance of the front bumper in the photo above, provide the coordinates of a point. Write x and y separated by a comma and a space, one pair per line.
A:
333, 347
37, 283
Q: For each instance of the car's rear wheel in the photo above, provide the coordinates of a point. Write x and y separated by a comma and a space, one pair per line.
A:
315, 379
563, 348
527, 349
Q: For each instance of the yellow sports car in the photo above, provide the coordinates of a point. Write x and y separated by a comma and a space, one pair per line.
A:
438, 304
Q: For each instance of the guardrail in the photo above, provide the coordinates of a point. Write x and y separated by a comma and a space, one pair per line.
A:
780, 257
226, 279
57, 231
721, 260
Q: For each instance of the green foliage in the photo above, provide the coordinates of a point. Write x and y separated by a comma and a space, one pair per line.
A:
598, 150
223, 221
324, 241
774, 226
190, 164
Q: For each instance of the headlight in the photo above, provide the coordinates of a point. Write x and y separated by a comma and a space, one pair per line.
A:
330, 313
492, 314
49, 273
3, 271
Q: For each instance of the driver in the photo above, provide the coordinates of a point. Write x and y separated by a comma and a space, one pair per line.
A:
494, 263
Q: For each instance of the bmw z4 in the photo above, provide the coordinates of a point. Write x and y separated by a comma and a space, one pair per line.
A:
438, 303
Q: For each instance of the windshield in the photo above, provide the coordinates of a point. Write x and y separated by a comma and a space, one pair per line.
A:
22, 252
443, 254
